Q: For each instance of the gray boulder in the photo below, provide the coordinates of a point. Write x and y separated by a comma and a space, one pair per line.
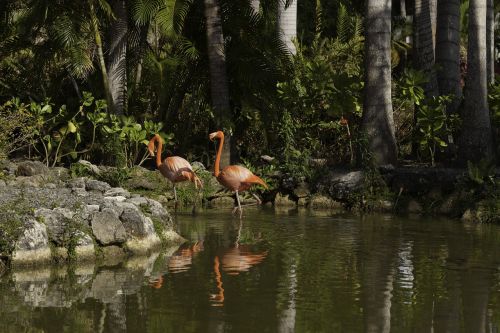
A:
33, 244
31, 168
96, 185
107, 228
136, 224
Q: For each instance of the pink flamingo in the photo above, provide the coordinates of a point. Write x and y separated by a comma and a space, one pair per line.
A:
174, 168
234, 177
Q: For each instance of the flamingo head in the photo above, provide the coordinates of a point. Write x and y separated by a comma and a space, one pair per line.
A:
152, 146
216, 135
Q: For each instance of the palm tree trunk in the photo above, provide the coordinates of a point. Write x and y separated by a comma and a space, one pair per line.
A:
287, 20
218, 76
490, 41
402, 8
433, 11
100, 55
476, 139
377, 122
255, 5
448, 52
117, 57
424, 45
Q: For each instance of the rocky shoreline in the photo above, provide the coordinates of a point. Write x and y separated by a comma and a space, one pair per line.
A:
46, 215
59, 214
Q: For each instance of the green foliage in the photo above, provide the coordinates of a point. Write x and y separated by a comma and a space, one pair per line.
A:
434, 125
16, 127
314, 107
12, 216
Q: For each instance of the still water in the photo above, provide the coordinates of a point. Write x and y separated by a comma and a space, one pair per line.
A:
276, 271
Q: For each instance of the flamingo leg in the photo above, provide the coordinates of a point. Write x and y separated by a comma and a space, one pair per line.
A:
239, 204
175, 198
255, 203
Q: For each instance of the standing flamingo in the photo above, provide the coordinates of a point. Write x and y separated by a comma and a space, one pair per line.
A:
174, 168
234, 177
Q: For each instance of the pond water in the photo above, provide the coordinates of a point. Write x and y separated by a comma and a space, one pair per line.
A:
276, 271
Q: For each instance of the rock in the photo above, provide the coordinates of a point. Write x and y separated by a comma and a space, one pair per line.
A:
91, 167
156, 210
60, 173
77, 183
65, 212
469, 216
115, 199
302, 202
342, 184
414, 207
80, 192
302, 190
141, 183
51, 186
117, 191
107, 228
222, 202
88, 211
33, 244
143, 245
31, 181
84, 248
31, 168
138, 201
318, 162
321, 201
96, 185
267, 158
283, 201
198, 166
8, 167
136, 224
57, 224
2, 183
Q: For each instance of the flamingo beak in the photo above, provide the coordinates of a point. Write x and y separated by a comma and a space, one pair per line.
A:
212, 136
151, 152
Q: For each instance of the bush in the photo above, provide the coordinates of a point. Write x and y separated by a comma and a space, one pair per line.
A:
16, 127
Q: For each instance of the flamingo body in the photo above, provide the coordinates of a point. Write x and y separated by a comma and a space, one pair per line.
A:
234, 177
174, 168
238, 178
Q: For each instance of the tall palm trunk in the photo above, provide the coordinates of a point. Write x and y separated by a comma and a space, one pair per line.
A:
117, 57
287, 20
448, 52
100, 55
255, 5
433, 11
377, 122
476, 140
402, 8
218, 75
424, 44
490, 41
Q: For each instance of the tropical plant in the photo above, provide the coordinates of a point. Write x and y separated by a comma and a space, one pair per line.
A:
434, 126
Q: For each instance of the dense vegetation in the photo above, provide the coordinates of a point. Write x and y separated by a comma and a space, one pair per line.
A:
95, 79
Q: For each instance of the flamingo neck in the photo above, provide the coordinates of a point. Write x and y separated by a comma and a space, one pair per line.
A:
159, 150
217, 158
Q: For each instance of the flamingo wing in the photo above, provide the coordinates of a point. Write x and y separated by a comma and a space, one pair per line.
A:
176, 169
236, 177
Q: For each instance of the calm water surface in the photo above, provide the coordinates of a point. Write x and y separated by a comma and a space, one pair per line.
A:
277, 271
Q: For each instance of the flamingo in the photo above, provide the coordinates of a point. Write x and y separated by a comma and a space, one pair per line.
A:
174, 168
234, 177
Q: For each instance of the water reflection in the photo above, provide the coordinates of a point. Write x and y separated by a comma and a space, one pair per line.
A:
293, 272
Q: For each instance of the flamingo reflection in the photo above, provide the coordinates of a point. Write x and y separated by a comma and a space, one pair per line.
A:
235, 260
180, 261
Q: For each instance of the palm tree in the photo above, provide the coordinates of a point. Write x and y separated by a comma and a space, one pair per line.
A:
219, 89
424, 44
255, 4
117, 56
377, 120
448, 52
476, 139
490, 41
287, 21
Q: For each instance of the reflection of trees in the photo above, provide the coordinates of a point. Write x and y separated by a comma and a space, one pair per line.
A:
379, 243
